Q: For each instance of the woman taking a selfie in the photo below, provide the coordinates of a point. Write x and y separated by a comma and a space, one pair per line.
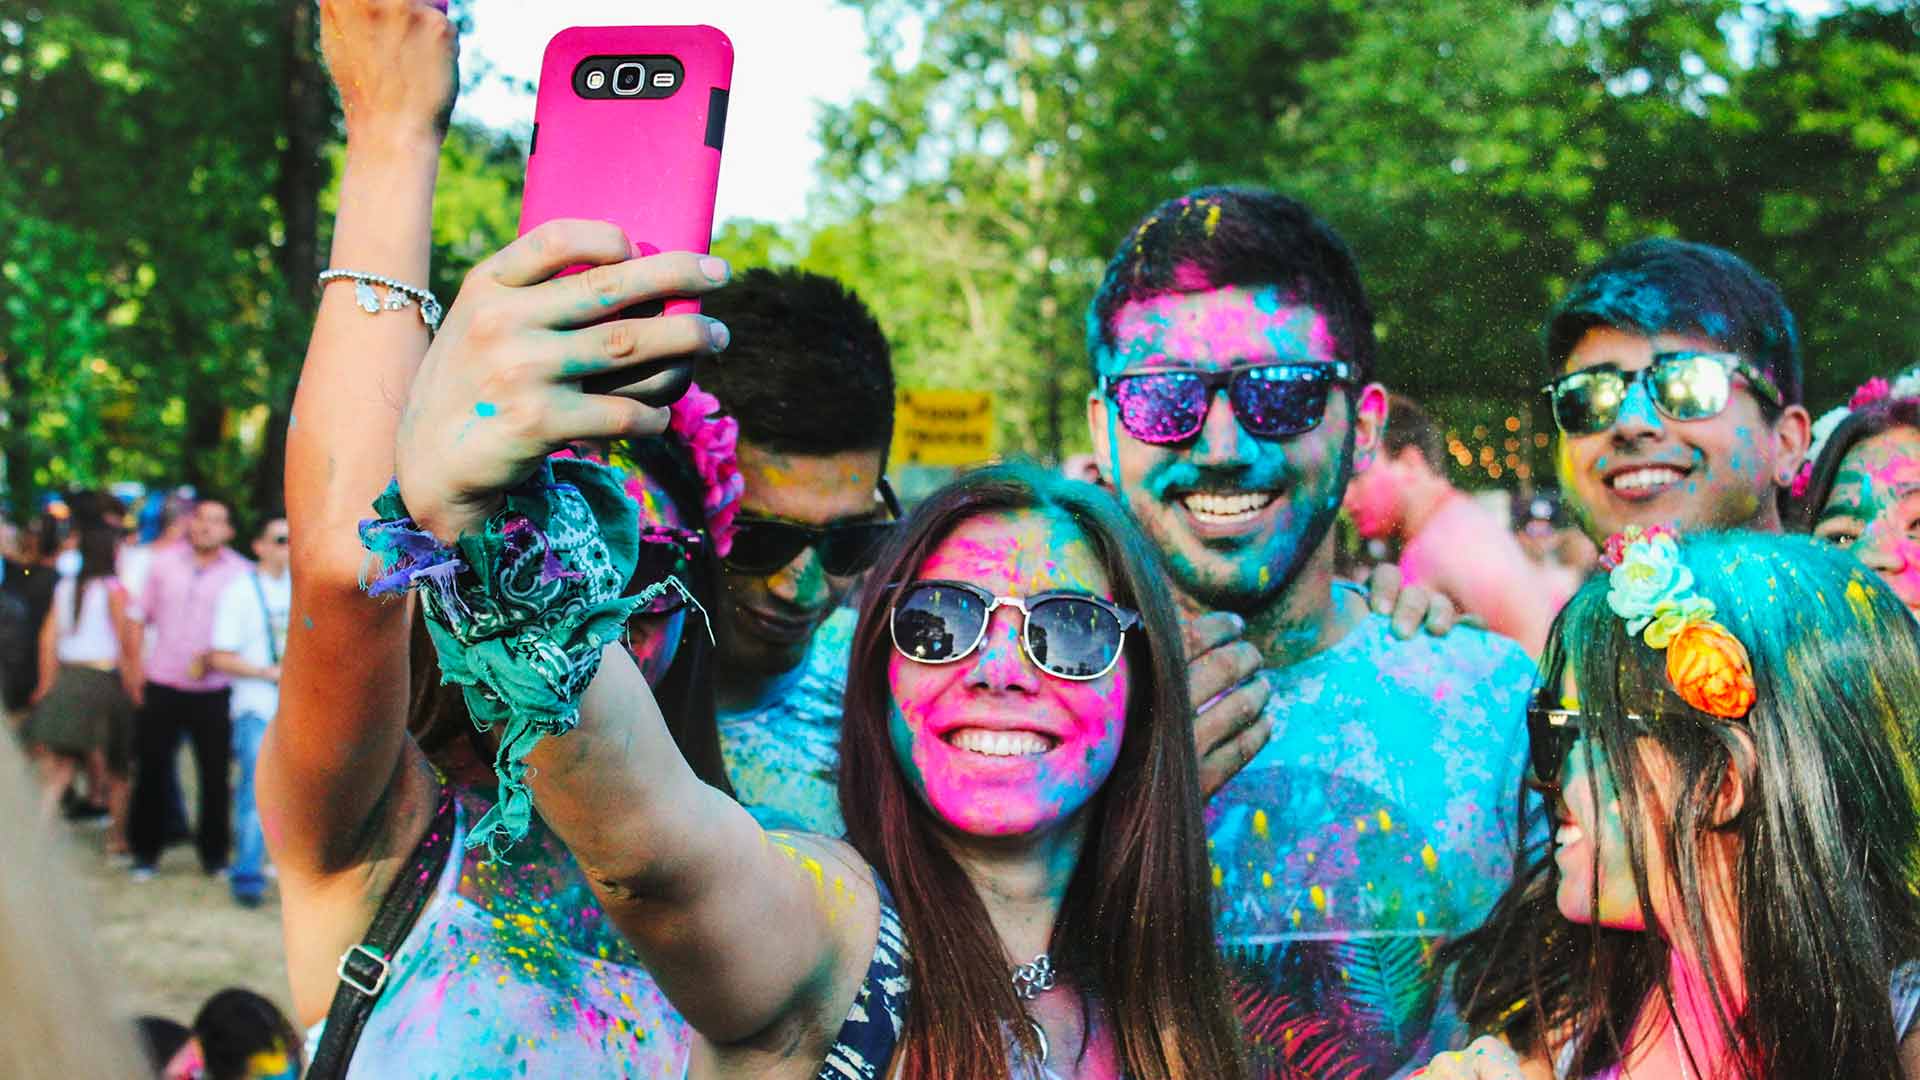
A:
1726, 738
412, 950
1025, 890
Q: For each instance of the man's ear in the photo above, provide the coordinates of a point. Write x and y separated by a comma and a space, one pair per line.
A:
1369, 423
1097, 427
1792, 435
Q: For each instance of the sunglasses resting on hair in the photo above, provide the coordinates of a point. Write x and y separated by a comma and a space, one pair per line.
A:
1270, 400
1070, 635
1682, 385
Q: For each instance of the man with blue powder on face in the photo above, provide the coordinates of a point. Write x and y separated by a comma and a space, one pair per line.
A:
1675, 383
1368, 816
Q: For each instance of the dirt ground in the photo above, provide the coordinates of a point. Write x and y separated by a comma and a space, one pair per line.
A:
175, 940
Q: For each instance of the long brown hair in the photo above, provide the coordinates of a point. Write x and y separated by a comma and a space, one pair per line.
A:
1828, 829
1135, 928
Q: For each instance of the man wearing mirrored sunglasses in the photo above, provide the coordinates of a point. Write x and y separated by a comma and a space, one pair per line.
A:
1675, 385
809, 377
1363, 818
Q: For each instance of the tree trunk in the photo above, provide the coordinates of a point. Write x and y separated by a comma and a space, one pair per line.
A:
307, 112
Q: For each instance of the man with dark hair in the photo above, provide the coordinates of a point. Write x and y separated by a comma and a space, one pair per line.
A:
809, 377
1233, 347
1676, 386
1448, 542
183, 695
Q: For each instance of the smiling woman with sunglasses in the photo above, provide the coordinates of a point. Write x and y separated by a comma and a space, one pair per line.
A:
1023, 892
1724, 736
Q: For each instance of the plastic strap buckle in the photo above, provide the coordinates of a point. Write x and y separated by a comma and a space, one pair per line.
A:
364, 969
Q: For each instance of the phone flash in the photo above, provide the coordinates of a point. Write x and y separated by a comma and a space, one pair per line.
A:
596, 79
663, 79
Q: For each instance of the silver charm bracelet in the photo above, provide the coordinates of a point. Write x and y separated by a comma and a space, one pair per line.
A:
399, 295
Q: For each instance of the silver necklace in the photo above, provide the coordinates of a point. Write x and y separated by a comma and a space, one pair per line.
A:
1029, 982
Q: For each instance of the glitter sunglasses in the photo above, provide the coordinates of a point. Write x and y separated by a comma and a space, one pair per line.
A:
1069, 635
1683, 386
1269, 400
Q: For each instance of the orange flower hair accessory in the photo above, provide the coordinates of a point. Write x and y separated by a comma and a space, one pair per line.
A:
1652, 589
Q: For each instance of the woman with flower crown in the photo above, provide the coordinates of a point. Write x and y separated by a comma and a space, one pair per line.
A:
1724, 740
1860, 487
433, 925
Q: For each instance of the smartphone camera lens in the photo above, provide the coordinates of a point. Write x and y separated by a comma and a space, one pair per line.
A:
628, 78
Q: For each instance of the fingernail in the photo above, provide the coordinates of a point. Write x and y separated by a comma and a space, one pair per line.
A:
718, 334
716, 269
1239, 622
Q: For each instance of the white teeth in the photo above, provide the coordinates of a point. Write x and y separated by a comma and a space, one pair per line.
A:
1215, 507
1000, 743
1568, 835
1646, 479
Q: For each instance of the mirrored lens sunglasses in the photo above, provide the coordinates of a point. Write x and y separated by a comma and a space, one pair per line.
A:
1068, 635
1269, 400
1682, 386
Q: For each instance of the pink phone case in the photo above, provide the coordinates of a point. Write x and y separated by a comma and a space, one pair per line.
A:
649, 165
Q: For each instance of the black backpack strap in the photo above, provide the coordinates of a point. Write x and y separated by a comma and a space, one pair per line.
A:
363, 968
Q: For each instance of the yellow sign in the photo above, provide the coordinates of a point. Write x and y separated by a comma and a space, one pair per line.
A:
942, 427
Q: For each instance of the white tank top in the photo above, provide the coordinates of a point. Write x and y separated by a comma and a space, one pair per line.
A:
90, 639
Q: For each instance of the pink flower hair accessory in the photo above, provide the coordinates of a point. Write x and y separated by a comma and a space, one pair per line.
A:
1872, 392
712, 440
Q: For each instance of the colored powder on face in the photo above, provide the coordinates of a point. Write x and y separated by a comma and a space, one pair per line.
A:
1189, 277
1213, 218
484, 409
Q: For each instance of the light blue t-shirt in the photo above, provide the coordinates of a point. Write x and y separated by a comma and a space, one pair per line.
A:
1376, 823
782, 752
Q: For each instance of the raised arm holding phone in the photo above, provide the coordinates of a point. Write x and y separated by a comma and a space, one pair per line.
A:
424, 957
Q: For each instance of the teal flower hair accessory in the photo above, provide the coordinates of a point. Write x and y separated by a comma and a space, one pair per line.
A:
1651, 588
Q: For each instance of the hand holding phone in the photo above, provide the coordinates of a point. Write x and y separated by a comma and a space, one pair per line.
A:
628, 127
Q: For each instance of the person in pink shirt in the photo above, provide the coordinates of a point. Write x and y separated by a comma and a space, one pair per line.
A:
1448, 542
182, 694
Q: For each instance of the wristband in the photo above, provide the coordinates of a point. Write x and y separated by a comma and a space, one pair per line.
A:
520, 610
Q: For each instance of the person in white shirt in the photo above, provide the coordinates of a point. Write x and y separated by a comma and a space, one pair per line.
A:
89, 684
249, 637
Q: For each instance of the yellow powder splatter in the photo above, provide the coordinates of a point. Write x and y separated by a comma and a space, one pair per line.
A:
1295, 916
1266, 880
1360, 825
1420, 917
1386, 821
1429, 858
1266, 575
1858, 600
1219, 876
1319, 897
1260, 824
1213, 221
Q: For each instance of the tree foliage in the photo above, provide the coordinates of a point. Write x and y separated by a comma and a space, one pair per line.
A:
1475, 156
163, 173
